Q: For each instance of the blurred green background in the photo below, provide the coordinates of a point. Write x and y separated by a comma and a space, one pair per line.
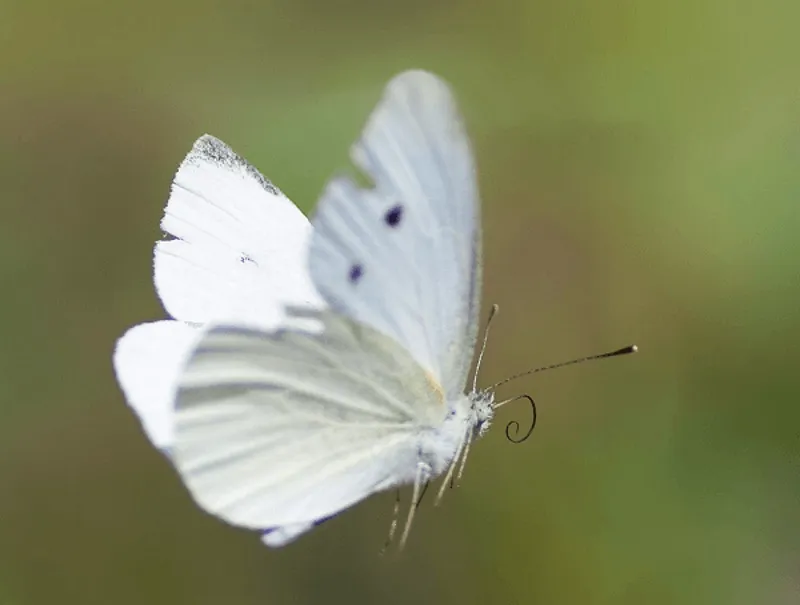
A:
639, 167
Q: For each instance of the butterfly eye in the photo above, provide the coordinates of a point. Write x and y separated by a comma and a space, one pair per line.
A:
356, 271
393, 216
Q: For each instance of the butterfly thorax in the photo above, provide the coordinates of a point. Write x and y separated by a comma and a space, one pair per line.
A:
468, 417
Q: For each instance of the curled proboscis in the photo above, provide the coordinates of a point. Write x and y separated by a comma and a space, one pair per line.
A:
515, 426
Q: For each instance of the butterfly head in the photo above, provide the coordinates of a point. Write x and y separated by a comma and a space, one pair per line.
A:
481, 411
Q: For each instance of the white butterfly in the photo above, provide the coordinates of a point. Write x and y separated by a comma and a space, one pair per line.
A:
362, 387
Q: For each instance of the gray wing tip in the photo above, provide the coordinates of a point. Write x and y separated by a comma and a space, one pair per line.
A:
209, 149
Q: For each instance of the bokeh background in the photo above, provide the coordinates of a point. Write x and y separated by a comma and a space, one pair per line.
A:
640, 170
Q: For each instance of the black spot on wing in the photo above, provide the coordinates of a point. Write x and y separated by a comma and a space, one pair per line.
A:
394, 216
356, 271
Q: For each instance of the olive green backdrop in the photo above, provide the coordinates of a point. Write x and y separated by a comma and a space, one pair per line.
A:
640, 172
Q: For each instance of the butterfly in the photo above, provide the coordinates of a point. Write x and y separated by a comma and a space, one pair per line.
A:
310, 366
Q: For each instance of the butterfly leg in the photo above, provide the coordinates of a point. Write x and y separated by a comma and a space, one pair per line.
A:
464, 458
396, 514
423, 474
422, 495
393, 526
448, 478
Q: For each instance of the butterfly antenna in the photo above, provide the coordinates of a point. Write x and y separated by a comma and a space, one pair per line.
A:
618, 352
492, 313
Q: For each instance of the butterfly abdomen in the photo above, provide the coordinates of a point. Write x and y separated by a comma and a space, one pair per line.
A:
438, 446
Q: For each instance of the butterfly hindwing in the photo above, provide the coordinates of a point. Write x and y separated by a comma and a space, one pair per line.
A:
287, 427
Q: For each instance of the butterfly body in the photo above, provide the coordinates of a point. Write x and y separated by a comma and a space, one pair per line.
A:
467, 417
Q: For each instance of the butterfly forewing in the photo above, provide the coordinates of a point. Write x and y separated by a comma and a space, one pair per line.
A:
404, 256
234, 236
